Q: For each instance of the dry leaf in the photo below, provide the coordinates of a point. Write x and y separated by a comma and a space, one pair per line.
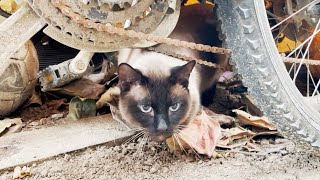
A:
221, 118
81, 108
9, 126
84, 88
202, 134
34, 99
247, 119
111, 96
229, 135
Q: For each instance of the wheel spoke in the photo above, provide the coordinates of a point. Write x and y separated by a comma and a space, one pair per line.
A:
307, 50
312, 3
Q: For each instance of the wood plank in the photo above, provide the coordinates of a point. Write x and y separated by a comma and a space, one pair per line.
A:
25, 147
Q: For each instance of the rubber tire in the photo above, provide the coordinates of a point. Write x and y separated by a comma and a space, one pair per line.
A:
245, 30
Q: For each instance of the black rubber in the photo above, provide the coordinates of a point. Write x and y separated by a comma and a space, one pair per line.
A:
245, 30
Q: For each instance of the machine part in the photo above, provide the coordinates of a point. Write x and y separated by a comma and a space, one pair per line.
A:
263, 72
185, 58
85, 38
16, 31
80, 63
51, 52
56, 75
133, 34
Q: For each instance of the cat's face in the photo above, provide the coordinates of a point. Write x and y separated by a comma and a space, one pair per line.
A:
156, 103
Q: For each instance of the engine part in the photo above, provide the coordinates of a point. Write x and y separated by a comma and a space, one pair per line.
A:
57, 75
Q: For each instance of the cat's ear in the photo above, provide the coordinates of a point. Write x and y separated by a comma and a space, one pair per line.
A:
181, 74
128, 76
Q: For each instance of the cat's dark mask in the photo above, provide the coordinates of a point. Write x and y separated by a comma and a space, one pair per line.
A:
156, 103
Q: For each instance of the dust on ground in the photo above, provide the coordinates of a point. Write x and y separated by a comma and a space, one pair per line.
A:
154, 161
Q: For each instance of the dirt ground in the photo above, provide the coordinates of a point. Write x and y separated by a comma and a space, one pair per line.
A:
154, 161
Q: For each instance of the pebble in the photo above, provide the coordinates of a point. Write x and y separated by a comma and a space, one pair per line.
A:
43, 121
284, 152
34, 123
165, 170
264, 142
239, 156
148, 162
153, 170
56, 116
66, 157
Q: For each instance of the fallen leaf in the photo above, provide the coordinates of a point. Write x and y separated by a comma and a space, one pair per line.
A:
229, 135
247, 119
81, 108
111, 96
34, 99
9, 126
202, 135
221, 118
83, 88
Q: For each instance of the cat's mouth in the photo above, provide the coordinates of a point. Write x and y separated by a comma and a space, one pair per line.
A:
159, 137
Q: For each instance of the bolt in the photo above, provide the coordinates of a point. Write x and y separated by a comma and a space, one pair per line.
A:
80, 65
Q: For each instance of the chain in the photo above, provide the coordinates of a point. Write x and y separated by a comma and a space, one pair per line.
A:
186, 58
298, 61
158, 39
142, 36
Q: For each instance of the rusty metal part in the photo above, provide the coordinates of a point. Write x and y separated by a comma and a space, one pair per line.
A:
56, 75
85, 38
298, 61
133, 34
186, 58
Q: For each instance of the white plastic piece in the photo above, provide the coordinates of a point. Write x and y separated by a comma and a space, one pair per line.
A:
80, 63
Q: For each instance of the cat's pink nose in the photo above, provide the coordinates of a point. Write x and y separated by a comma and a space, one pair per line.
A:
162, 125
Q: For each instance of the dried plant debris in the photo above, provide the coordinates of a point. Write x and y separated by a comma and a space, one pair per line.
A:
83, 88
111, 96
81, 108
230, 135
247, 119
201, 135
50, 107
34, 99
9, 126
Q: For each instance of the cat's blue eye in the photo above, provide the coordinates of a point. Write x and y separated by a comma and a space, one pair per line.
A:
174, 107
145, 108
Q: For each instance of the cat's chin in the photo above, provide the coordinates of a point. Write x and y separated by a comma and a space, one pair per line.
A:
159, 138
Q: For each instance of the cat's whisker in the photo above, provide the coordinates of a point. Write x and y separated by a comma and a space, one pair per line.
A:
134, 137
141, 143
197, 154
136, 129
180, 144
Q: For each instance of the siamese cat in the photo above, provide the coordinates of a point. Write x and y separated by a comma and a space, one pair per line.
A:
159, 92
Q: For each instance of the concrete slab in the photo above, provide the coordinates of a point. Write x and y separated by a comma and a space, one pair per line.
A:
26, 147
